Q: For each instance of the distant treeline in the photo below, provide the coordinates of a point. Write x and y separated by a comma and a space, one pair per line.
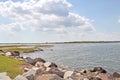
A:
59, 42
85, 42
93, 42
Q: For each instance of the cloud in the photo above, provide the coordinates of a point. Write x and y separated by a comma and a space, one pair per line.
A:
43, 15
119, 20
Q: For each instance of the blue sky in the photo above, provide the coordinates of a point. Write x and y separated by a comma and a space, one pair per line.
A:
59, 20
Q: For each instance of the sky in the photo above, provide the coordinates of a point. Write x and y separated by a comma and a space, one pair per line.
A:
25, 21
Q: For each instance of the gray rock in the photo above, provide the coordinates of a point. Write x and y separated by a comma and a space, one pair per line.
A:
3, 76
8, 54
116, 75
68, 74
38, 64
15, 53
20, 77
48, 77
95, 78
50, 64
47, 64
39, 60
29, 73
30, 60
38, 72
30, 77
99, 69
57, 72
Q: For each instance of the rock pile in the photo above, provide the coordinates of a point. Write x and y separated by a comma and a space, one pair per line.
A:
44, 70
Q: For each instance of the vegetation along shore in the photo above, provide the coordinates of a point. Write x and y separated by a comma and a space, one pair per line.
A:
14, 67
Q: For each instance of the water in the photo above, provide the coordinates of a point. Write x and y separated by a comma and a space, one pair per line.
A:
106, 55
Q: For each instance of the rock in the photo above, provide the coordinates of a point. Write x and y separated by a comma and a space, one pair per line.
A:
29, 73
48, 69
116, 75
103, 76
15, 53
117, 79
57, 72
30, 77
38, 72
29, 60
49, 64
53, 65
85, 79
95, 78
76, 76
99, 69
90, 74
20, 77
41, 49
48, 77
41, 66
20, 59
26, 69
82, 71
68, 74
39, 60
8, 54
64, 68
3, 76
38, 64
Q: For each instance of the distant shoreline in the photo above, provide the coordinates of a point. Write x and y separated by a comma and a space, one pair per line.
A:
69, 42
66, 42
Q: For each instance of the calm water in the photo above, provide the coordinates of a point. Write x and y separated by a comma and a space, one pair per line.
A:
84, 56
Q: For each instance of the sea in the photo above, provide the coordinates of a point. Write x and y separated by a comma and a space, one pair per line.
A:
82, 55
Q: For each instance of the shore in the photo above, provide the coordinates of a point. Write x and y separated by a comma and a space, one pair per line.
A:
40, 69
21, 48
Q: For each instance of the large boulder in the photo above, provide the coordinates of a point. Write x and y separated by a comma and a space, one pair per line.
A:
3, 76
50, 64
15, 53
29, 75
103, 76
95, 78
57, 72
30, 60
116, 75
39, 60
20, 77
68, 74
8, 54
48, 77
90, 74
99, 69
38, 64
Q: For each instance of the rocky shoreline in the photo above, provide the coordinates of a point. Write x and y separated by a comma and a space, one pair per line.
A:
40, 69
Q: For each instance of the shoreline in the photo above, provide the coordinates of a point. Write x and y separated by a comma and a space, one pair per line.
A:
39, 68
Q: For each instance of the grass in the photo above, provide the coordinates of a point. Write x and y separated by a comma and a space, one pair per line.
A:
23, 48
11, 66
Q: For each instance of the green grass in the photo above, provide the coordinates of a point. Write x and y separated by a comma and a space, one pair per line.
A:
23, 48
11, 66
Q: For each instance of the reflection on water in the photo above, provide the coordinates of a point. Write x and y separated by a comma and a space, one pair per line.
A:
89, 55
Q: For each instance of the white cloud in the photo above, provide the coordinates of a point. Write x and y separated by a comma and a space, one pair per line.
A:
119, 20
43, 15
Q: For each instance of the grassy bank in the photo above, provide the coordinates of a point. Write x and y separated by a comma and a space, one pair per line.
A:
11, 66
23, 48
